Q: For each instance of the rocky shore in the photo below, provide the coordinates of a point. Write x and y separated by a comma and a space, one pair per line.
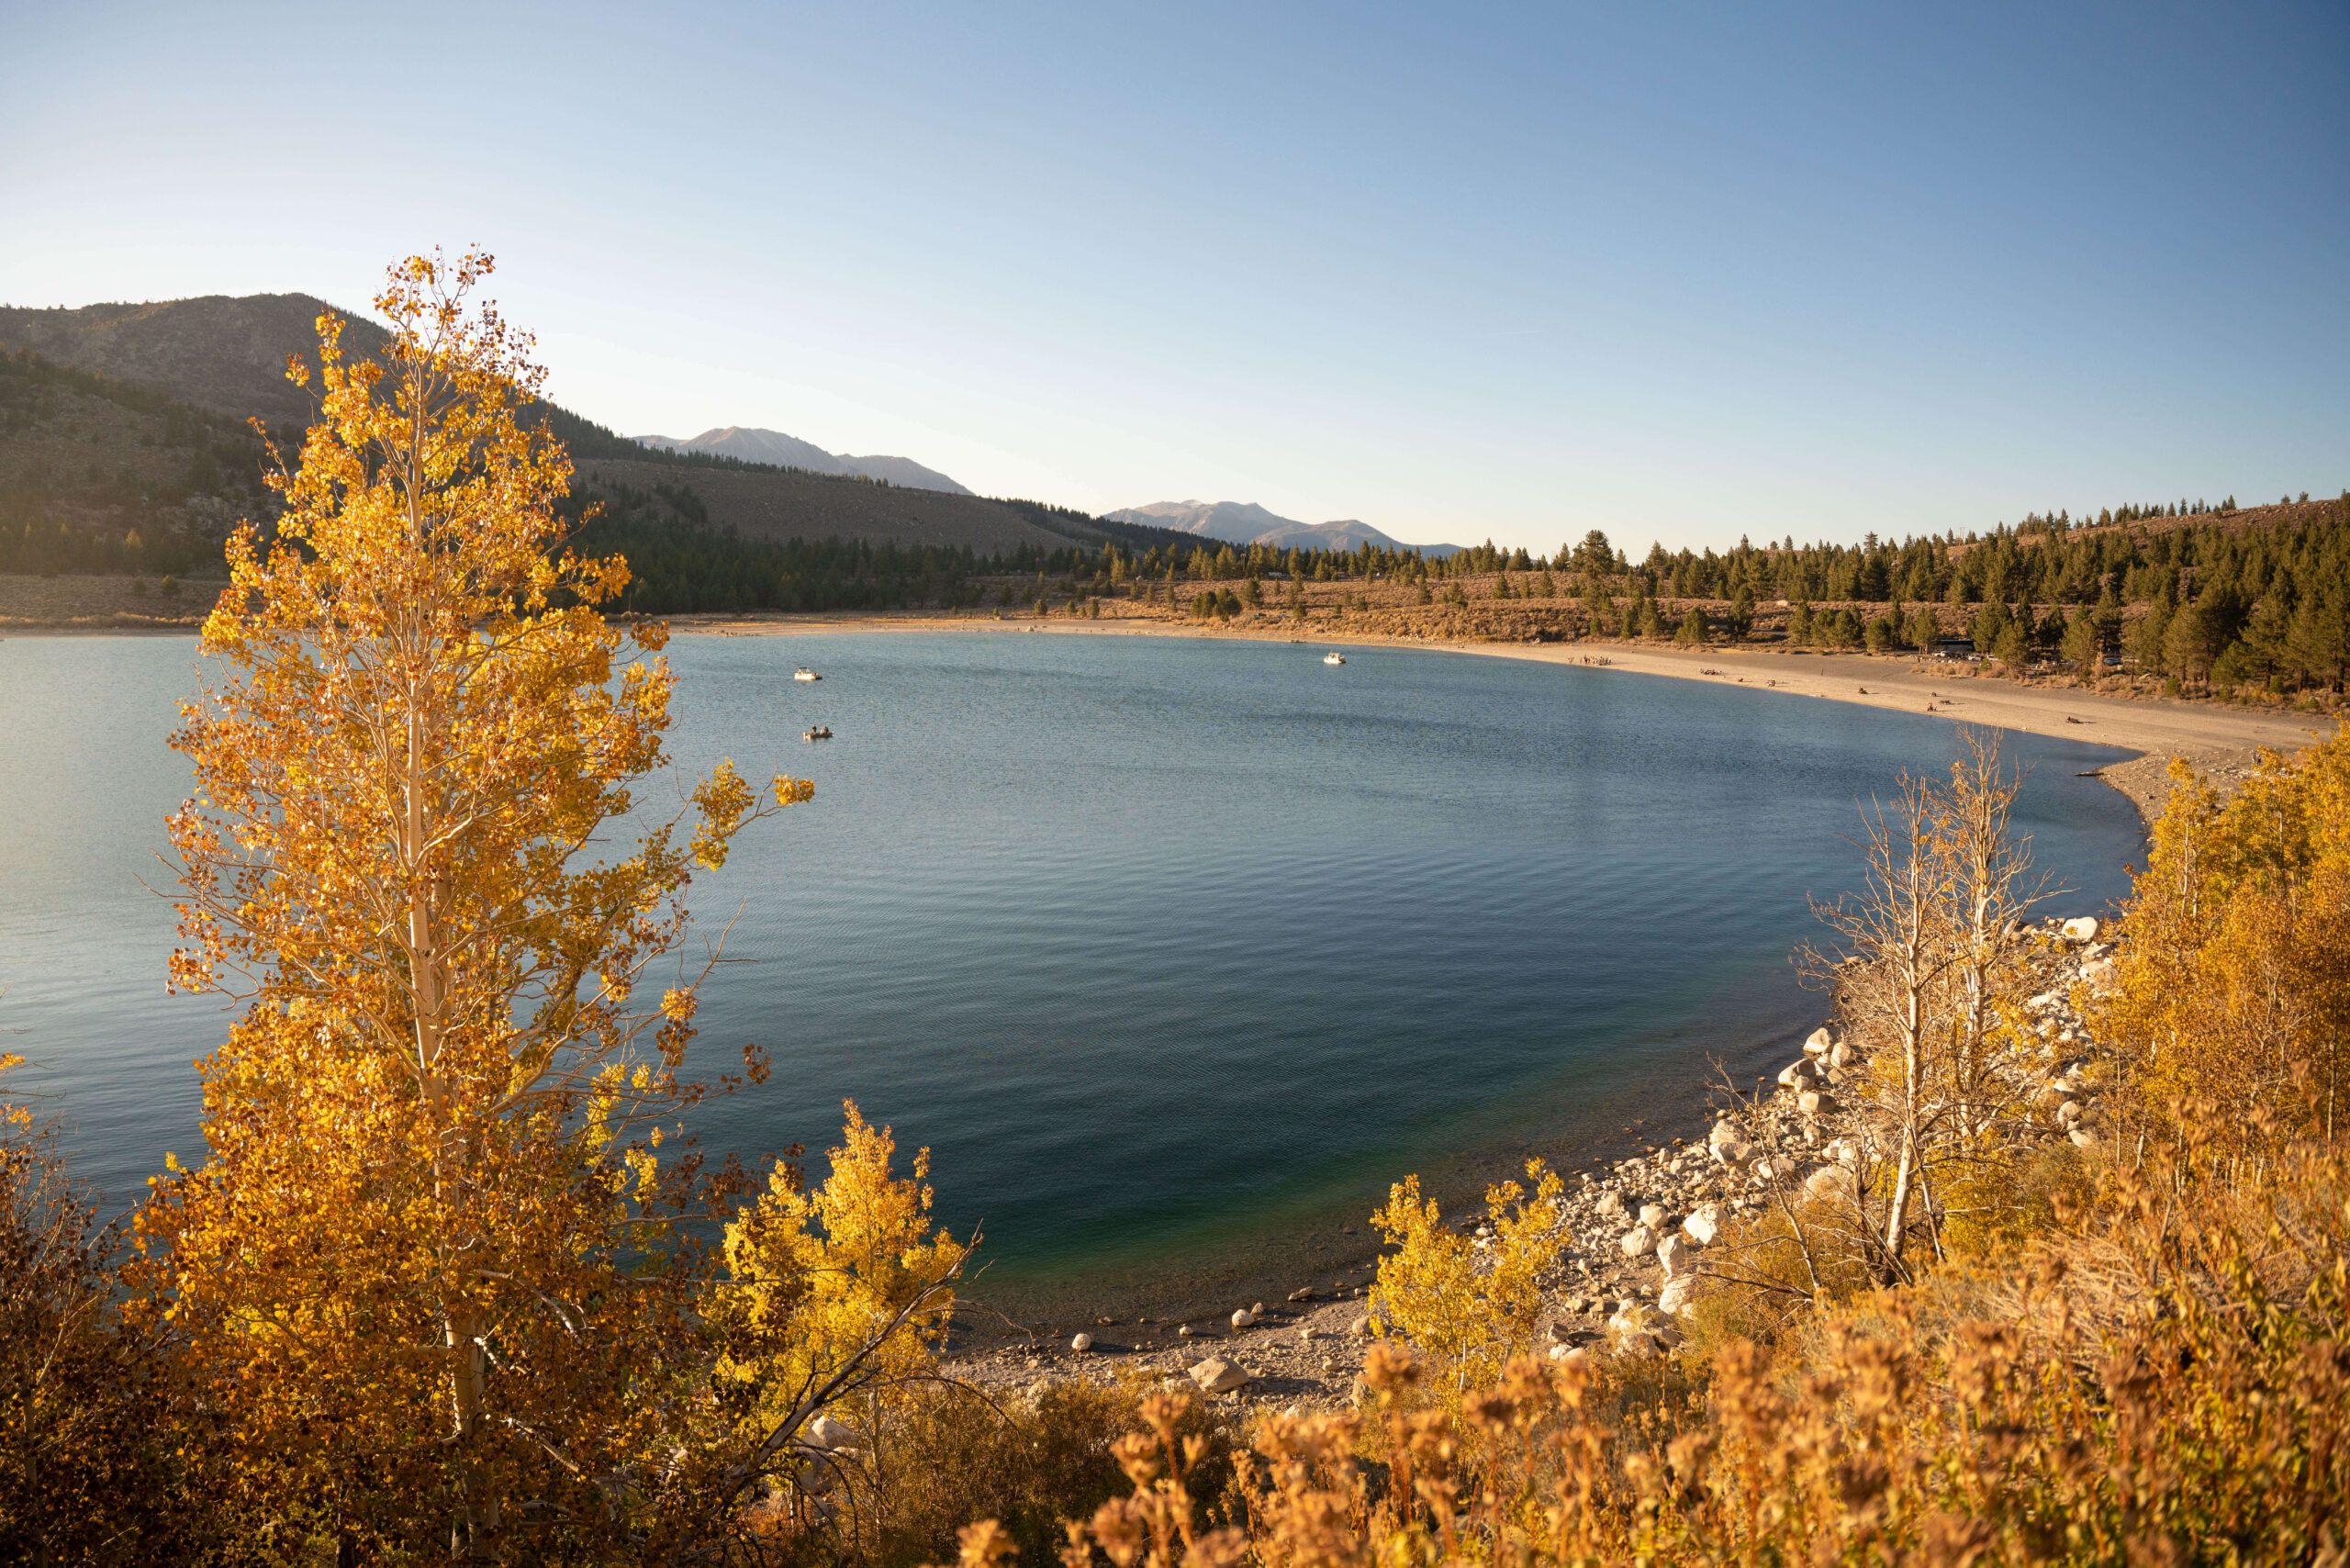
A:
1637, 1240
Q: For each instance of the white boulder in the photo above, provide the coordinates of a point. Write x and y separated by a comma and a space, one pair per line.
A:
2082, 929
1638, 1242
1675, 1296
1819, 1043
1082, 1342
1243, 1318
1652, 1216
1827, 1181
1674, 1254
1704, 1224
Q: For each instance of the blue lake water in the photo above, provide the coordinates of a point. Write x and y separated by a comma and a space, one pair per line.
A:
1175, 952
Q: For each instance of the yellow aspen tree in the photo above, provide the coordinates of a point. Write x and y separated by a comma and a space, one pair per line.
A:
432, 1261
1472, 1308
2233, 988
831, 1300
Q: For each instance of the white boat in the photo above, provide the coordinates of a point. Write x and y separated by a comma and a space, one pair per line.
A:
804, 673
1334, 658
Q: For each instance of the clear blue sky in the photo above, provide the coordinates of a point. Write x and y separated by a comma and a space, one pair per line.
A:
1459, 271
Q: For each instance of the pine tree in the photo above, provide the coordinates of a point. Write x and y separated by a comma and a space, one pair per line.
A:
1740, 620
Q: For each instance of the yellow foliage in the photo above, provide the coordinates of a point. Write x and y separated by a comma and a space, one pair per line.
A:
850, 1280
431, 1231
1472, 1307
2235, 977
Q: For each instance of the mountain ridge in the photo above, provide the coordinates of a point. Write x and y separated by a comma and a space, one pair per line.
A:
751, 444
1245, 522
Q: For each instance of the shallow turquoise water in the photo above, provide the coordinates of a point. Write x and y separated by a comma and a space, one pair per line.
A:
1175, 952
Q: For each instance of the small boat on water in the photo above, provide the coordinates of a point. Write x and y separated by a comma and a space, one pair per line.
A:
1334, 658
804, 673
821, 732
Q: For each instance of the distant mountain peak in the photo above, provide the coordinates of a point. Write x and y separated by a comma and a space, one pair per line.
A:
1245, 522
782, 451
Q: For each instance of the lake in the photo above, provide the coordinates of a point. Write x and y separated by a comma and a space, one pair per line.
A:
1175, 952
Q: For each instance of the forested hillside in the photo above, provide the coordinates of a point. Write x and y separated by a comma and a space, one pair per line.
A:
219, 361
124, 450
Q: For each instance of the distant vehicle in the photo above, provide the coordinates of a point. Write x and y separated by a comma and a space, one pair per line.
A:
1334, 658
804, 673
821, 732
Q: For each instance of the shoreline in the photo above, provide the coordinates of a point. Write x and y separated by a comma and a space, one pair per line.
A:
1630, 1247
2220, 742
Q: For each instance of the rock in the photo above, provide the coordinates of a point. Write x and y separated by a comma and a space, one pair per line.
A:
1362, 1326
1798, 1074
1303, 1292
1729, 1129
1611, 1205
1828, 1181
1819, 1043
1081, 1343
1570, 1355
2070, 1112
2083, 1138
2084, 929
1815, 1102
1733, 1153
1258, 1310
1216, 1376
1844, 1056
1651, 1216
1673, 1252
1703, 1225
1243, 1318
1675, 1296
1638, 1242
1307, 1333
1182, 1331
2098, 975
829, 1432
1631, 1318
